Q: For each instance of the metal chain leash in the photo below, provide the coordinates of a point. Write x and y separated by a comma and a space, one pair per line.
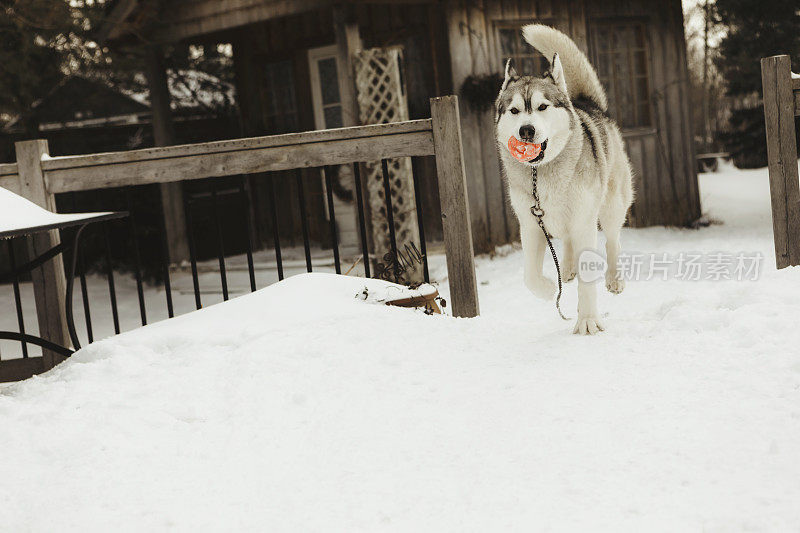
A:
538, 212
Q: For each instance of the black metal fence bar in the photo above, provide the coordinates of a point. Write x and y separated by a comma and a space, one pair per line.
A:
112, 291
421, 224
192, 253
248, 224
301, 196
165, 264
137, 260
275, 234
326, 171
390, 218
17, 299
362, 222
87, 314
223, 277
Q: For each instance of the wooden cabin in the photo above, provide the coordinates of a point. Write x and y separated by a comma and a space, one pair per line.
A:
297, 68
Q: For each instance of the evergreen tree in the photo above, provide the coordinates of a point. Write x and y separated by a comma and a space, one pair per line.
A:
43, 43
30, 63
756, 29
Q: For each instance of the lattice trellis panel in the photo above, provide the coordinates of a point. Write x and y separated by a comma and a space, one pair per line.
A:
382, 99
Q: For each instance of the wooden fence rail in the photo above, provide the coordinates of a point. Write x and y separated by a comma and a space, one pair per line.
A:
39, 177
781, 105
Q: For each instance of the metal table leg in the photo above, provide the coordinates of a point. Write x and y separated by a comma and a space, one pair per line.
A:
73, 335
29, 266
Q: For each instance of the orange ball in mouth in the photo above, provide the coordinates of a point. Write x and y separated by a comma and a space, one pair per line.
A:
523, 151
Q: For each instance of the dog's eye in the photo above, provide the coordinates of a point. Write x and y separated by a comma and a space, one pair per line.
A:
542, 107
514, 110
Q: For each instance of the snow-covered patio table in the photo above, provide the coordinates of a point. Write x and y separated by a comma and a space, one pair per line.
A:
20, 217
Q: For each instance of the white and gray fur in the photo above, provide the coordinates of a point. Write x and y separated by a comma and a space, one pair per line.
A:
583, 173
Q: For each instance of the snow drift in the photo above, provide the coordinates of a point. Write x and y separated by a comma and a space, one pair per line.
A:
302, 408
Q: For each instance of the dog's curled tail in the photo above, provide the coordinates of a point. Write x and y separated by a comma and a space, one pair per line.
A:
581, 78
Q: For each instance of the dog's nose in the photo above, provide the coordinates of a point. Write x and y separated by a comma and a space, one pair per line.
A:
527, 132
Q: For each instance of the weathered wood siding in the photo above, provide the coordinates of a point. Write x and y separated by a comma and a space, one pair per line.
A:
285, 38
289, 38
662, 156
446, 42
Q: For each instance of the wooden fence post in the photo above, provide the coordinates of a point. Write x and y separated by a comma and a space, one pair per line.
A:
779, 112
49, 281
456, 224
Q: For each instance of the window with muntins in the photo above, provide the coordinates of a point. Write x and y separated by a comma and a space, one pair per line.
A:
329, 89
621, 54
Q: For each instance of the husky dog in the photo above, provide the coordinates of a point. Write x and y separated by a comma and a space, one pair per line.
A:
559, 125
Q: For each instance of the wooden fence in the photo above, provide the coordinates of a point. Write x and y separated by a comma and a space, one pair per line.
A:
39, 178
781, 105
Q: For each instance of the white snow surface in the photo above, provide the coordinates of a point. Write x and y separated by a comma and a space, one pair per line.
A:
20, 213
302, 408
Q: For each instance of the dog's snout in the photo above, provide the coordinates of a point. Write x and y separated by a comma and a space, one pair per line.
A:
527, 132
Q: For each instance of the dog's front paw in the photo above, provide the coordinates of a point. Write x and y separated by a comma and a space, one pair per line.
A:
541, 287
588, 325
614, 284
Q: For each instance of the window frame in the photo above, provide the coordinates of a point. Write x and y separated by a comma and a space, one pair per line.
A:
314, 56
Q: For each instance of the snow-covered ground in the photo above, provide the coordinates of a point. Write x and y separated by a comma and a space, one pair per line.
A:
303, 408
155, 297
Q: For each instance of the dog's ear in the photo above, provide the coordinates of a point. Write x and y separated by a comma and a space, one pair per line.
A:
510, 73
557, 73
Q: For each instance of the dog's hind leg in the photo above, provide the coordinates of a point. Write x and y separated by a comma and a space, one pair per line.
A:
533, 245
612, 217
619, 196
